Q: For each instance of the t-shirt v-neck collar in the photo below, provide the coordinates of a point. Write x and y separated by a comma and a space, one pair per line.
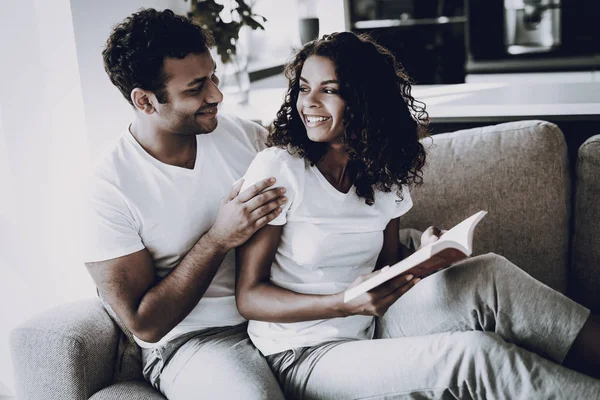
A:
159, 163
328, 186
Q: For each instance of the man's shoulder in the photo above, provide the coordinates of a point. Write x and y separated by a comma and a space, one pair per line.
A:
115, 162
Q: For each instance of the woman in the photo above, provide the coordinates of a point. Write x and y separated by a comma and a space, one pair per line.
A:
346, 146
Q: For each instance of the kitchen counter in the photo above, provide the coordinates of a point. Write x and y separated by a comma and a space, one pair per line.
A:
534, 64
480, 103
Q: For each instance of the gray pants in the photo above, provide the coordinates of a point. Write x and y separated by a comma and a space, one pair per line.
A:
215, 363
482, 329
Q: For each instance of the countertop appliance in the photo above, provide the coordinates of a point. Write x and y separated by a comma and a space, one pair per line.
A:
532, 26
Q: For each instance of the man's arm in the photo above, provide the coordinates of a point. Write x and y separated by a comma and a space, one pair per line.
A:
150, 309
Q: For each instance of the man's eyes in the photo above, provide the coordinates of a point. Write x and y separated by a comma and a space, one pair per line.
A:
199, 88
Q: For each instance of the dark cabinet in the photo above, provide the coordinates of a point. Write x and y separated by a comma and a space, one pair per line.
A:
577, 48
427, 36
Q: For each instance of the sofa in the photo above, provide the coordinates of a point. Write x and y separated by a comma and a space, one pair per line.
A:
542, 216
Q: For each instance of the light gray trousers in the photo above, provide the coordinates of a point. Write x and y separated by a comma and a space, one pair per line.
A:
483, 329
216, 363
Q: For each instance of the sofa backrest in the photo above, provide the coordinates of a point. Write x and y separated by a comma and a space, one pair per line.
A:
519, 173
584, 278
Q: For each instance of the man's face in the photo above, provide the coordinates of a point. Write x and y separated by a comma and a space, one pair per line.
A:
192, 95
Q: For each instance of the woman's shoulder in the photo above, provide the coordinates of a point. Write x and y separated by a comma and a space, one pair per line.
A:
398, 199
276, 156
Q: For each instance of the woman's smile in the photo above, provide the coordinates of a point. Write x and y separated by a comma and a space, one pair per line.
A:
312, 120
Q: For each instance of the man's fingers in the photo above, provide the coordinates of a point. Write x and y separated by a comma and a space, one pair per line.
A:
265, 198
255, 189
267, 208
235, 189
267, 218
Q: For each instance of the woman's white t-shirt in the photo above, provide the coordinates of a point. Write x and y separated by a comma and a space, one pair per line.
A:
329, 239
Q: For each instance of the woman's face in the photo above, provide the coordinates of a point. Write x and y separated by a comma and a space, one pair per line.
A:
319, 103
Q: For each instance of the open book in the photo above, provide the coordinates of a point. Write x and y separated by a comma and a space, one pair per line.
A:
454, 245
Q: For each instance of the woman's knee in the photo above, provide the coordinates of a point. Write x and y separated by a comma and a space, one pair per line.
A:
482, 347
489, 266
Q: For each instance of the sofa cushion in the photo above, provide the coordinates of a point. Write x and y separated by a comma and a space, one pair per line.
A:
519, 173
128, 390
585, 271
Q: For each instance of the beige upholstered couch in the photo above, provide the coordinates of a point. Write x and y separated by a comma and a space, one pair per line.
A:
518, 171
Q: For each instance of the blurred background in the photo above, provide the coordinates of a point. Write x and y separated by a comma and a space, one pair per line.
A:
454, 41
59, 111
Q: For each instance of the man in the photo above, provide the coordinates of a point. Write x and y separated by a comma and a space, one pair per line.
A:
165, 213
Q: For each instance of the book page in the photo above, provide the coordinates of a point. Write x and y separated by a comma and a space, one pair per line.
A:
461, 235
454, 245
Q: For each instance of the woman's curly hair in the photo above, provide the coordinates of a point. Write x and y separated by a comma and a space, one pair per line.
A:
382, 121
137, 47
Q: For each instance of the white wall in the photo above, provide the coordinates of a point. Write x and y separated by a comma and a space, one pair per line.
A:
44, 153
57, 107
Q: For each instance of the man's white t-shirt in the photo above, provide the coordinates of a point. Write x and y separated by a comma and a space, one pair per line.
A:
139, 202
329, 239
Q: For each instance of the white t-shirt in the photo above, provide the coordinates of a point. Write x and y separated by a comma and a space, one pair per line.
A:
329, 239
139, 202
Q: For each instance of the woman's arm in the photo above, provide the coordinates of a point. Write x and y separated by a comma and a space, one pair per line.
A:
390, 251
258, 299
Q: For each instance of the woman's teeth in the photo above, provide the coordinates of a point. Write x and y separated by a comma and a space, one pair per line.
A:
316, 119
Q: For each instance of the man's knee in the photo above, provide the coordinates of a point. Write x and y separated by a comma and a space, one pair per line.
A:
225, 379
215, 371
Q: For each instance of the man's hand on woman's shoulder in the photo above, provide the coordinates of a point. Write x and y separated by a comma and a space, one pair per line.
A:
242, 214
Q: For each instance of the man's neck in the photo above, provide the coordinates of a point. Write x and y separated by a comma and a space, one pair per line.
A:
166, 147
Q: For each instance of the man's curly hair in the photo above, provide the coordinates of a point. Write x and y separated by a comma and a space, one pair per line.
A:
382, 121
137, 47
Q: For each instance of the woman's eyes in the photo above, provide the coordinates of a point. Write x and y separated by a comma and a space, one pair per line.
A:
304, 89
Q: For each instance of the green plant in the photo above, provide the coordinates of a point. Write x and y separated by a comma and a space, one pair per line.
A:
208, 14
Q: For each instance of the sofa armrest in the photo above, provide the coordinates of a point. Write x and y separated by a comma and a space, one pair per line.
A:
585, 268
67, 352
